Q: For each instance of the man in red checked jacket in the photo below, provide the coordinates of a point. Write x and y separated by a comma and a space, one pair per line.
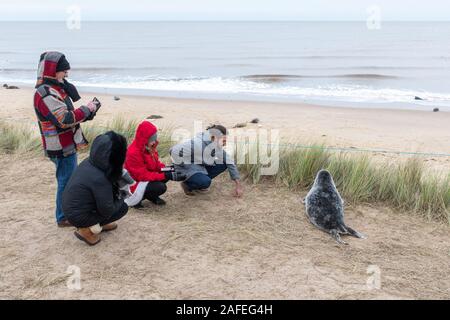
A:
59, 122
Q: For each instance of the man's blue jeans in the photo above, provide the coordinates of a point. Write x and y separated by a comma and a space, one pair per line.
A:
202, 181
64, 169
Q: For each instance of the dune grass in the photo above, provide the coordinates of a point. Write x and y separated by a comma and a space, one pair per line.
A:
18, 138
405, 185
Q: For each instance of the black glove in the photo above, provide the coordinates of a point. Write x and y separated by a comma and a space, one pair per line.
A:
174, 176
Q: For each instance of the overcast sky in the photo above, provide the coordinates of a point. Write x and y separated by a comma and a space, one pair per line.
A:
422, 10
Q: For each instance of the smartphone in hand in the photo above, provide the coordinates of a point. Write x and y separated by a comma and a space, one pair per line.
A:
97, 102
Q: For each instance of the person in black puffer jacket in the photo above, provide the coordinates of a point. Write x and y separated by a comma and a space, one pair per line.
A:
91, 199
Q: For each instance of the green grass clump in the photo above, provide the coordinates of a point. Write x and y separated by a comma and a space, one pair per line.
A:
355, 177
298, 167
118, 124
16, 138
404, 186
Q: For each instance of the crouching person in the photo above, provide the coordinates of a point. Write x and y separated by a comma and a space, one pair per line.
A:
92, 199
144, 166
202, 159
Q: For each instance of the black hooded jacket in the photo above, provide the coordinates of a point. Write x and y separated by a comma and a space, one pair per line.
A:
91, 193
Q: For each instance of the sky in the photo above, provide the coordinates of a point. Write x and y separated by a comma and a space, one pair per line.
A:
303, 10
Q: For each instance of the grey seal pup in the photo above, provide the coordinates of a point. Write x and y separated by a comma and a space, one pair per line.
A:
325, 208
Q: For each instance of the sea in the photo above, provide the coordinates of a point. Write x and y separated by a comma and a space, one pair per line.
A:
398, 65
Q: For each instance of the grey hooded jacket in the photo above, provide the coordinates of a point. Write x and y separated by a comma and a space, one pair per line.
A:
191, 157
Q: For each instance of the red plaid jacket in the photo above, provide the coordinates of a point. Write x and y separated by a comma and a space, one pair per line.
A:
59, 121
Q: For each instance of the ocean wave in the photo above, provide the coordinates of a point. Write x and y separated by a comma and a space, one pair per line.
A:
274, 78
230, 86
364, 76
242, 86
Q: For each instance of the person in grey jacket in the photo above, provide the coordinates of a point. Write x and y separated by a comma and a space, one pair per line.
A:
203, 158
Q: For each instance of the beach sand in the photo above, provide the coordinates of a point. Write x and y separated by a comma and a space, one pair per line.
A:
216, 246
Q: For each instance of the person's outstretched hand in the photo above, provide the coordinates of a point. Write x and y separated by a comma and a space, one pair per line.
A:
238, 191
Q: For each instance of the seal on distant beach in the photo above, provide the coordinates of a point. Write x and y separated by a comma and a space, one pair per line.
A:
154, 116
9, 87
325, 208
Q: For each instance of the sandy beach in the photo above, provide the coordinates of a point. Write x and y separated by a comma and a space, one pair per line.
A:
260, 246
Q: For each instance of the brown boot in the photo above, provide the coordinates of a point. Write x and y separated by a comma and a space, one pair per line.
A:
109, 227
186, 189
86, 235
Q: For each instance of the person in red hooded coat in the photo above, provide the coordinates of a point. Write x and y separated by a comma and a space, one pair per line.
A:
143, 164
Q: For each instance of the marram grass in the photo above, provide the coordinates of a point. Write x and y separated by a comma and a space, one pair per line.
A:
18, 138
405, 185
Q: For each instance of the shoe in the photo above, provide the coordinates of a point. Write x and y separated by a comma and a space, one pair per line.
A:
203, 191
158, 201
138, 206
64, 224
109, 227
86, 235
186, 189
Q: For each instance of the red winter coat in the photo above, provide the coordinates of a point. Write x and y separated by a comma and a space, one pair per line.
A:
141, 164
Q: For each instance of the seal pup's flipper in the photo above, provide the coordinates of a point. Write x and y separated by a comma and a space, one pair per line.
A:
355, 233
335, 234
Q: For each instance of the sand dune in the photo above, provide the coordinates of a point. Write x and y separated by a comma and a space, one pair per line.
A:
212, 246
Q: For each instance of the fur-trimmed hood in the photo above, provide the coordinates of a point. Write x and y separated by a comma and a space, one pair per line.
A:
108, 153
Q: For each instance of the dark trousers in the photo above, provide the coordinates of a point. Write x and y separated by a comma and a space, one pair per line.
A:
154, 189
202, 181
91, 219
